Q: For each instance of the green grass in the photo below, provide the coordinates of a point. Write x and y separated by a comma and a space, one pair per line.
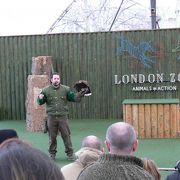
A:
165, 152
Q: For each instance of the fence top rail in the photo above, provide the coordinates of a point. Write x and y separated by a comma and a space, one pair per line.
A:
151, 101
167, 169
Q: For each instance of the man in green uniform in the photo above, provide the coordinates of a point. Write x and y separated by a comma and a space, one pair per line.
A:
56, 97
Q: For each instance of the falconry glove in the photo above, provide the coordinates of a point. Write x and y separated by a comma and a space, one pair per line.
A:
82, 87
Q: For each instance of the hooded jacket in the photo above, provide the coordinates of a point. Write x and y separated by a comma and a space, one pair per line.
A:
85, 156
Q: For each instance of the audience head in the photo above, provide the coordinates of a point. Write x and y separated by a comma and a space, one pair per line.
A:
20, 161
151, 167
92, 142
7, 134
121, 138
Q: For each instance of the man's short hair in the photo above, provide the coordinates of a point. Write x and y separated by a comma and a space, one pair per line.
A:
121, 136
54, 73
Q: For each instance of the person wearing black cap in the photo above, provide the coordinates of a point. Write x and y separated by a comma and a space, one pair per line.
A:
7, 134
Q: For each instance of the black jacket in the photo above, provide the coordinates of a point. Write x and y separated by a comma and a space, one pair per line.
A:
175, 175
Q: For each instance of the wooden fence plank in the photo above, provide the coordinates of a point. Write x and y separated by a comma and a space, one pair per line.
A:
177, 120
166, 121
135, 117
173, 120
154, 120
141, 121
160, 121
147, 118
128, 114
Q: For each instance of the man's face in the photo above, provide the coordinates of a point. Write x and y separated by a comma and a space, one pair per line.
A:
55, 80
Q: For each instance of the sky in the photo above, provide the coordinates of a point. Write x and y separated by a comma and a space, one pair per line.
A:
26, 17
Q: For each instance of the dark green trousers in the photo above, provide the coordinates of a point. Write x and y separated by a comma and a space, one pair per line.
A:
58, 124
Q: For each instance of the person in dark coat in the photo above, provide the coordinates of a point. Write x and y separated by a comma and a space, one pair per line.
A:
7, 134
175, 175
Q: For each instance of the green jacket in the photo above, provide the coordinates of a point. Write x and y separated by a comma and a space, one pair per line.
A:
56, 99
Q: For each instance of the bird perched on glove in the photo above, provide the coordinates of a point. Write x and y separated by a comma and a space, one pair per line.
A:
83, 88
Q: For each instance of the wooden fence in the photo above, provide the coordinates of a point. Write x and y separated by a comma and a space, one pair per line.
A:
153, 118
107, 60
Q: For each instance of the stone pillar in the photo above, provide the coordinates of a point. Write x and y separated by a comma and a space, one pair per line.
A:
41, 71
41, 65
35, 113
